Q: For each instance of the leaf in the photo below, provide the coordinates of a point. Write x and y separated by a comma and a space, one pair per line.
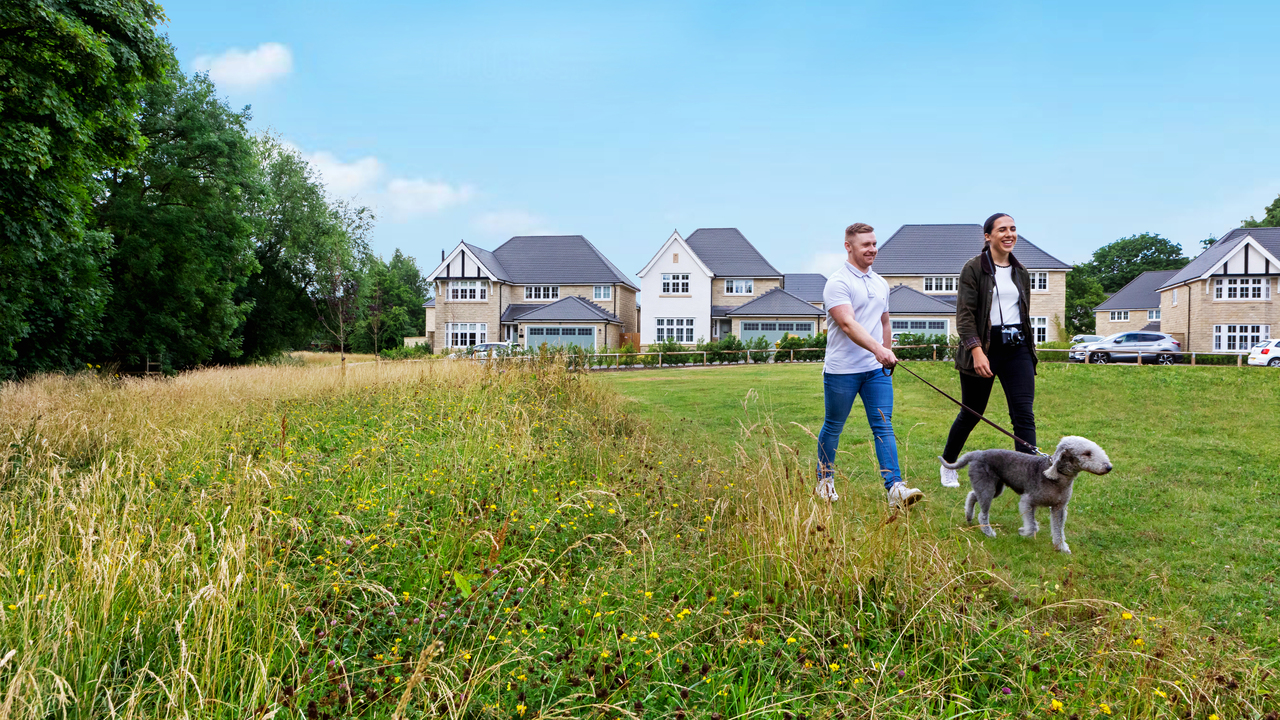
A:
464, 586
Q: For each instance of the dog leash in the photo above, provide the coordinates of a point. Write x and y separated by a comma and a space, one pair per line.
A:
889, 371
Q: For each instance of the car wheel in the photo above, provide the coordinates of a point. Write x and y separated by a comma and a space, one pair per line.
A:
1164, 359
1275, 362
1099, 358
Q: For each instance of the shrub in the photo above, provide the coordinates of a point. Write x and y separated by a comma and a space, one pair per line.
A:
802, 349
407, 353
945, 344
761, 343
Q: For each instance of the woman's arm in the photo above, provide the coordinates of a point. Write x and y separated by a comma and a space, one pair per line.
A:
967, 318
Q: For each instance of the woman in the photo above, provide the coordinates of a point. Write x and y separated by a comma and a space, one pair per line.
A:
993, 320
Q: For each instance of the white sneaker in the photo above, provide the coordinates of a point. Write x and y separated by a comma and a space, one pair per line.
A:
950, 478
826, 488
902, 496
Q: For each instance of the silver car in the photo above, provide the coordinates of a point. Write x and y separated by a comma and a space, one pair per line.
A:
1157, 348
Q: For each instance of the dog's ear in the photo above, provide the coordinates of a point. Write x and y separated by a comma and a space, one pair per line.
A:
1062, 464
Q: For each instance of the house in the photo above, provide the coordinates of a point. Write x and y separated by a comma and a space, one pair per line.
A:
809, 288
911, 311
1224, 299
429, 332
928, 259
1136, 306
554, 289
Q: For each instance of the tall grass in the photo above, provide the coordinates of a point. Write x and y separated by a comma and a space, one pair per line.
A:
455, 540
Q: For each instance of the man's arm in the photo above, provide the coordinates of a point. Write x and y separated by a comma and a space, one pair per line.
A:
843, 317
886, 330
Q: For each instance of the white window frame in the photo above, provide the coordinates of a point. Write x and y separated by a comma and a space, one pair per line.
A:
675, 283
1239, 337
541, 292
468, 291
679, 328
1039, 282
1119, 316
1245, 289
1040, 329
602, 292
941, 283
456, 333
739, 286
1175, 297
1153, 315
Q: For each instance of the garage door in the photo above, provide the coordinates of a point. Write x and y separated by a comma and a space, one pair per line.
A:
583, 337
773, 331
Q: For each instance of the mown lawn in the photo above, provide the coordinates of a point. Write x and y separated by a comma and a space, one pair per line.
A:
1188, 523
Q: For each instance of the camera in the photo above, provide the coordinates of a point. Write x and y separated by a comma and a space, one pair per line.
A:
1010, 334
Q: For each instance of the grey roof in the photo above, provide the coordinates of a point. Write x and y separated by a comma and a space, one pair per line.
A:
944, 249
777, 303
553, 259
1141, 293
1268, 238
905, 300
515, 310
569, 309
430, 303
727, 253
1151, 327
721, 310
806, 286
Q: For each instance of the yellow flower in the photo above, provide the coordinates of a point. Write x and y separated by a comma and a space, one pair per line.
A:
1054, 705
1106, 710
1126, 616
791, 640
1211, 717
834, 667
1139, 642
648, 594
520, 709
1161, 694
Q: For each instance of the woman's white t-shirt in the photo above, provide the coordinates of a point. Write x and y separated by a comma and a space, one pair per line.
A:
1004, 298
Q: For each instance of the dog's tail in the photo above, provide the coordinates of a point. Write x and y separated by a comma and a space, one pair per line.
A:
959, 463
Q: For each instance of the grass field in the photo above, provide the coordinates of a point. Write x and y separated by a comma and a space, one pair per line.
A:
1187, 524
516, 541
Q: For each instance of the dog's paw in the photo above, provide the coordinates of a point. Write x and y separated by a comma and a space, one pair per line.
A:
1027, 532
1064, 548
986, 530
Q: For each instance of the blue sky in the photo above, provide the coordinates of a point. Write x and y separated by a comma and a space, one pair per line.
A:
1087, 121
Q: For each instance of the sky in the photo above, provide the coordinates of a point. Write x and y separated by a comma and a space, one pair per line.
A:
1086, 121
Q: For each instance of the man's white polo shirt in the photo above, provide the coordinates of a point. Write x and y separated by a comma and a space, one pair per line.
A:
868, 293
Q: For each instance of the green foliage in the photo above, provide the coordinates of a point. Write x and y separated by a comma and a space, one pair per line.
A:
1084, 293
412, 352
73, 75
182, 229
1270, 219
762, 344
339, 257
803, 349
391, 298
925, 353
1116, 263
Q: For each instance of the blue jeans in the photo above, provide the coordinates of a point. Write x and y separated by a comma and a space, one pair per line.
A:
838, 393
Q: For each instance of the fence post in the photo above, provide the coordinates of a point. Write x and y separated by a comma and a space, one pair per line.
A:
1239, 361
704, 358
1139, 357
793, 355
935, 352
659, 359
1193, 359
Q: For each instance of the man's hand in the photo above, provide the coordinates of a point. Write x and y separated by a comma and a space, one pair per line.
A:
981, 365
884, 356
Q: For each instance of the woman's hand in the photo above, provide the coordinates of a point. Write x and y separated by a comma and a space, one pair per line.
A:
981, 365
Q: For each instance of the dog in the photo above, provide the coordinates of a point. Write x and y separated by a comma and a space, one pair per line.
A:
1041, 481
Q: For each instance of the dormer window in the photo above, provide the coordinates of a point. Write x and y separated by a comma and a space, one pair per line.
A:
738, 287
939, 284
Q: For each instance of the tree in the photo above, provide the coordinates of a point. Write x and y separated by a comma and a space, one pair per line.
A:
1115, 264
1084, 293
336, 291
1271, 219
182, 230
391, 305
73, 71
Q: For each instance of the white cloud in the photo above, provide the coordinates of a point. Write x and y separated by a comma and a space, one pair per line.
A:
511, 222
410, 197
237, 69
346, 179
825, 262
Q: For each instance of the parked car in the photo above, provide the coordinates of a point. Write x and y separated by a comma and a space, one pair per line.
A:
1086, 338
1266, 352
1157, 348
491, 349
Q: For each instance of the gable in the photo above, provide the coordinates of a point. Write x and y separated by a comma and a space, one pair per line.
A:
944, 249
1226, 256
675, 244
467, 262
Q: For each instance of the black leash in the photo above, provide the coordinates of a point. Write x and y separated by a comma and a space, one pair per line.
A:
889, 371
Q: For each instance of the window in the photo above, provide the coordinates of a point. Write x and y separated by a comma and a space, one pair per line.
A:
675, 284
738, 287
602, 292
541, 292
750, 327
1175, 296
1239, 337
1119, 316
681, 329
1242, 289
1039, 281
468, 290
675, 258
768, 327
930, 325
898, 325
1040, 329
1153, 315
466, 334
940, 284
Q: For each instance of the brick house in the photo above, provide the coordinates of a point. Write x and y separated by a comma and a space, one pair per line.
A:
1224, 299
554, 289
928, 260
1136, 306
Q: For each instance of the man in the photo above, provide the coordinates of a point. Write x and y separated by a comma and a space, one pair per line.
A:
858, 338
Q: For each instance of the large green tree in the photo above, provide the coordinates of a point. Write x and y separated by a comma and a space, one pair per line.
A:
73, 73
391, 298
1084, 293
1270, 219
1116, 263
181, 223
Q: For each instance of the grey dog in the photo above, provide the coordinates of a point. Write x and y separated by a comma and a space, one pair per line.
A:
1041, 481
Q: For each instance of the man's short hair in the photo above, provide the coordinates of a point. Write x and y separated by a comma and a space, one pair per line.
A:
857, 228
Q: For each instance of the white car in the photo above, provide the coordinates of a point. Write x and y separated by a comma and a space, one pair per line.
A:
1266, 352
